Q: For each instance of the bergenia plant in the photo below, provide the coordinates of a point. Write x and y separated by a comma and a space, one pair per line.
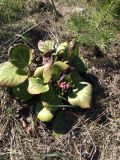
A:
57, 78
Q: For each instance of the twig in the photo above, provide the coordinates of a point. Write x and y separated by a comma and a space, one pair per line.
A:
56, 13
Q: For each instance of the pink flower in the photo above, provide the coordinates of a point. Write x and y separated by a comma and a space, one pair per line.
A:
64, 86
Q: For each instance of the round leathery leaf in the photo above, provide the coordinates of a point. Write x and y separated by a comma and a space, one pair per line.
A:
51, 99
58, 67
37, 86
63, 123
45, 46
43, 114
62, 48
20, 55
10, 75
81, 95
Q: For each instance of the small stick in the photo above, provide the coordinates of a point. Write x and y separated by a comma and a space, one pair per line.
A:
57, 14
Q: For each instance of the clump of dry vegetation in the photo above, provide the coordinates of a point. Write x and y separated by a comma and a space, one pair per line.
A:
91, 134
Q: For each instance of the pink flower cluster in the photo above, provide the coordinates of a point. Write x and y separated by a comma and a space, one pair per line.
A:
64, 86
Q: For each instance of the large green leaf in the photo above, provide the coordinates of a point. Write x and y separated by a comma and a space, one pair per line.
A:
21, 91
45, 46
43, 114
20, 55
37, 86
79, 63
58, 68
76, 78
62, 48
39, 72
10, 75
81, 95
47, 73
44, 72
51, 99
63, 122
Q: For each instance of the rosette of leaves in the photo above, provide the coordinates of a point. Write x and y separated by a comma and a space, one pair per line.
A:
61, 58
56, 77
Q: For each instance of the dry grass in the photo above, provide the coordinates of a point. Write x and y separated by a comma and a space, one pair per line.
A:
95, 134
